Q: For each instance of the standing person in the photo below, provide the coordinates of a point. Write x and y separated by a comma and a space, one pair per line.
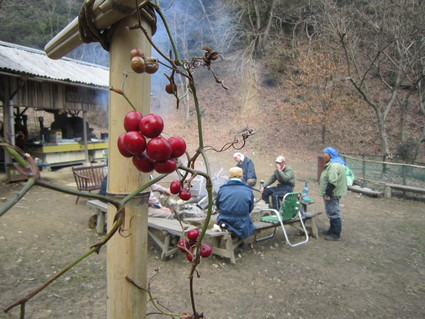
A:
284, 175
235, 202
248, 168
333, 185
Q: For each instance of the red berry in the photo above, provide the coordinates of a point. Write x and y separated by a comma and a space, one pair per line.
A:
158, 149
178, 146
151, 125
170, 88
183, 245
138, 64
151, 65
205, 250
131, 121
166, 167
185, 194
143, 162
134, 142
175, 187
189, 256
193, 234
136, 52
121, 147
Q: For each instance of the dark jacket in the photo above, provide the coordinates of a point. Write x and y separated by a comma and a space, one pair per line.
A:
248, 169
235, 202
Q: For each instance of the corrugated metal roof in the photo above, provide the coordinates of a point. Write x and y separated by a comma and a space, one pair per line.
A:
19, 59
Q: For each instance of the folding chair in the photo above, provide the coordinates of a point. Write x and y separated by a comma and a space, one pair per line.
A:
289, 212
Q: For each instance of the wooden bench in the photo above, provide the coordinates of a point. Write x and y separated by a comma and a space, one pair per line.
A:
89, 178
222, 242
101, 208
162, 231
389, 187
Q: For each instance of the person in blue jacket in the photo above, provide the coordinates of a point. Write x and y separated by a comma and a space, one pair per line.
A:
235, 202
248, 168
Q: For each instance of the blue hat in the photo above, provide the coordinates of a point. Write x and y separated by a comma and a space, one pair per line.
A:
334, 155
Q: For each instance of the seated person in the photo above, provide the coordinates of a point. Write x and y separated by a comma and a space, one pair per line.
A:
285, 178
249, 176
235, 202
155, 208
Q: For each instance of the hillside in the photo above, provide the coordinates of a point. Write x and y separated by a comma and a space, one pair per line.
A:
227, 112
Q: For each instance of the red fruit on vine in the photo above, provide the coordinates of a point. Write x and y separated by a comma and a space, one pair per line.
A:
193, 234
136, 52
183, 245
151, 65
151, 125
143, 163
175, 187
158, 149
185, 194
165, 167
178, 146
189, 256
121, 147
171, 88
205, 250
131, 120
134, 142
138, 64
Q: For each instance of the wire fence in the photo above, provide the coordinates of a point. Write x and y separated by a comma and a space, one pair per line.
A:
374, 174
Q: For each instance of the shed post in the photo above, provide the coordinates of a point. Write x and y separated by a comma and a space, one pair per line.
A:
8, 121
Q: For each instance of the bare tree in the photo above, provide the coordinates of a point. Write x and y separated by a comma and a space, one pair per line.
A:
319, 89
384, 47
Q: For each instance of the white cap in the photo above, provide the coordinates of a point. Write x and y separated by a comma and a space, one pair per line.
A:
280, 159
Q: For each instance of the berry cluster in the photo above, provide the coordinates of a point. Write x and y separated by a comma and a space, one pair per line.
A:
158, 153
142, 64
176, 188
188, 246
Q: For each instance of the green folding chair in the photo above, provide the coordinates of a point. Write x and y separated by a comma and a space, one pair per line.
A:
290, 209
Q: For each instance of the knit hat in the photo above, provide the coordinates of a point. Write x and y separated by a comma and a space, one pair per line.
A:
235, 172
280, 159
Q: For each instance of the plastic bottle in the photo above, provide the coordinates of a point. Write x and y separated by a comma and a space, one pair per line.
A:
261, 184
305, 190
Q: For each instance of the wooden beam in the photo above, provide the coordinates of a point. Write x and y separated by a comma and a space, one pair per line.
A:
126, 256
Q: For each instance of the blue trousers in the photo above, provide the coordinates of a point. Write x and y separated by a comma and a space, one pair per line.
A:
333, 212
279, 191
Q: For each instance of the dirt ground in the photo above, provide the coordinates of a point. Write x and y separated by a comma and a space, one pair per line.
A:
377, 270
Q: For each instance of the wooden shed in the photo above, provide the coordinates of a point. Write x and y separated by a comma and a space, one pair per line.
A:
29, 79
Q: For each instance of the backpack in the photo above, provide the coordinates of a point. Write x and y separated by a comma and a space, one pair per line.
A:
350, 176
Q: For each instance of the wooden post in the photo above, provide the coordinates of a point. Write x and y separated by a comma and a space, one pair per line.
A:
8, 122
126, 256
85, 140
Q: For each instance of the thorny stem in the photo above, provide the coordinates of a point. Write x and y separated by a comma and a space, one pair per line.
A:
13, 153
30, 183
151, 299
56, 276
167, 28
70, 191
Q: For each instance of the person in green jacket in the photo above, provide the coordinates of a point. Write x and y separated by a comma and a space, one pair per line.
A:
284, 175
333, 185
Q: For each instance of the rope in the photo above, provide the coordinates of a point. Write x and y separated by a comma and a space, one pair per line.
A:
88, 31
